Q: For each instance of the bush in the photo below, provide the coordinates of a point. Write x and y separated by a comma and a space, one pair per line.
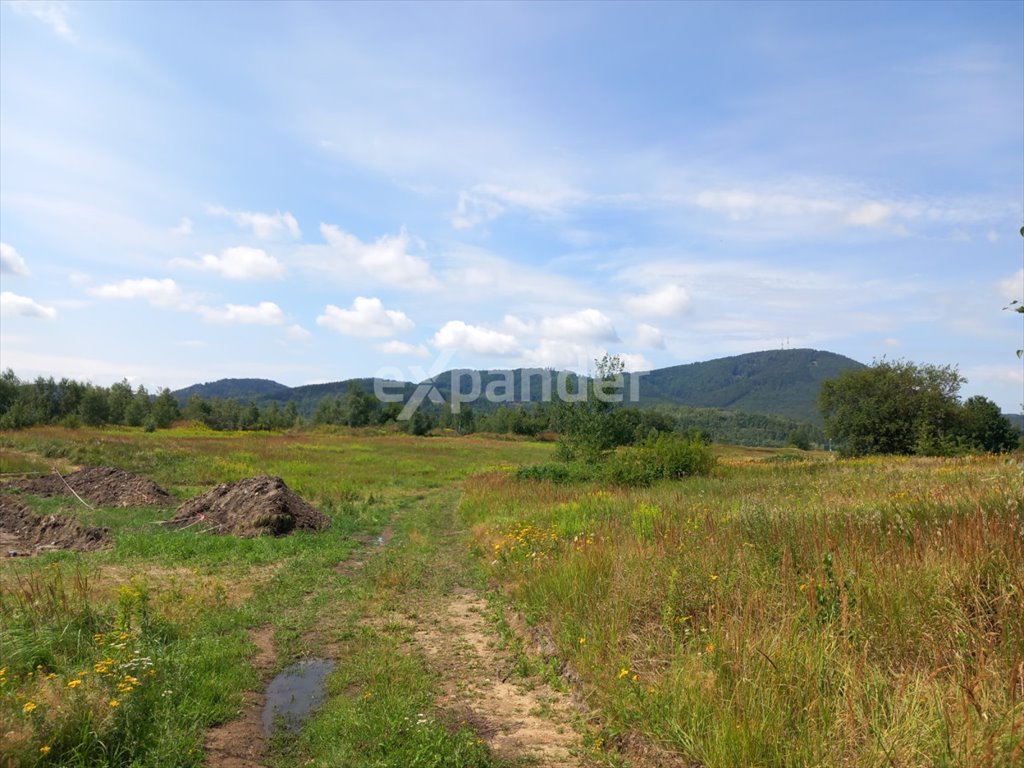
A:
664, 457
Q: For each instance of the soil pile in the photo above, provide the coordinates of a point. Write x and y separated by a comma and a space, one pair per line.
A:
256, 506
102, 486
22, 532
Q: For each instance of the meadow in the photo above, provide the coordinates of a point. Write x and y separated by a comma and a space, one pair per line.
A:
790, 609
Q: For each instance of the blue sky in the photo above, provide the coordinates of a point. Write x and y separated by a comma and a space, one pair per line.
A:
312, 192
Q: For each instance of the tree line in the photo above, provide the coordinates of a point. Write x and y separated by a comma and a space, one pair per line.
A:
900, 407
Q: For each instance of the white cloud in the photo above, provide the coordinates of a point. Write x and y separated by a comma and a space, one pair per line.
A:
485, 202
266, 226
992, 236
11, 304
892, 342
11, 262
367, 318
634, 361
395, 347
159, 293
587, 324
184, 226
669, 300
872, 214
297, 333
52, 14
740, 204
462, 337
387, 258
265, 313
649, 336
238, 263
1012, 287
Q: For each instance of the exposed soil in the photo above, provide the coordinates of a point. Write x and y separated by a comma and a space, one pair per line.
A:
516, 721
256, 506
239, 743
102, 486
22, 532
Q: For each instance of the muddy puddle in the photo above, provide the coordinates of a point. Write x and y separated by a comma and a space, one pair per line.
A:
294, 694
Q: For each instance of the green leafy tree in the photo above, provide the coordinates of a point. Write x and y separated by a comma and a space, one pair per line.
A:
165, 409
893, 407
986, 428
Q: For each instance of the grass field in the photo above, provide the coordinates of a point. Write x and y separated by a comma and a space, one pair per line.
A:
789, 610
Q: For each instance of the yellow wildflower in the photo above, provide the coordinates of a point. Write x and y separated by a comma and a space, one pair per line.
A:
636, 678
45, 749
623, 672
114, 703
29, 707
583, 641
74, 683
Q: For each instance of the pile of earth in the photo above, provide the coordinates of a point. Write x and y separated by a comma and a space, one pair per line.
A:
256, 506
102, 486
22, 532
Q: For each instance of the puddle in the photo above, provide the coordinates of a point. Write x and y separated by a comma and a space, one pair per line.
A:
294, 693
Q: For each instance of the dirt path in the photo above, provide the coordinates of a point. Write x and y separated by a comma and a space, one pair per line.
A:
518, 719
239, 743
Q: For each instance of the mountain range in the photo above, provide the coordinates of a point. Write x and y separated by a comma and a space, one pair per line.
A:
779, 382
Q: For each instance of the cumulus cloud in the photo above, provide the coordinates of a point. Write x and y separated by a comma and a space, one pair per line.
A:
587, 324
633, 362
366, 318
395, 347
11, 262
11, 305
52, 14
667, 301
159, 293
387, 258
264, 313
239, 263
462, 337
296, 332
649, 336
266, 226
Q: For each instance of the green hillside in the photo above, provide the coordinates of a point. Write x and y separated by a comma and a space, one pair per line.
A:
783, 382
779, 382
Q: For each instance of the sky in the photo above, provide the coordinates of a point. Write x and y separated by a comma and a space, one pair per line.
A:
309, 192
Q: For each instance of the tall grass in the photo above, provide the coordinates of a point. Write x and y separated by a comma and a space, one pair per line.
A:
848, 613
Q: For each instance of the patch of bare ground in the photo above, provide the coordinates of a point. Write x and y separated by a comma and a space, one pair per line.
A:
22, 532
255, 506
102, 486
368, 545
240, 743
518, 720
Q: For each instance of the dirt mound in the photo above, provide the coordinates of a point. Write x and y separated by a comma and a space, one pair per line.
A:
103, 486
22, 532
256, 506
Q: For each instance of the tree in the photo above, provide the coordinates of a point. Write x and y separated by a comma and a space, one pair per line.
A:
985, 428
892, 407
165, 409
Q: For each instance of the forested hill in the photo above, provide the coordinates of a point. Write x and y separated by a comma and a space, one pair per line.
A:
784, 382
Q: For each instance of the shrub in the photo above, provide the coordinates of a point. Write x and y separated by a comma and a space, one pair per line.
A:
663, 457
